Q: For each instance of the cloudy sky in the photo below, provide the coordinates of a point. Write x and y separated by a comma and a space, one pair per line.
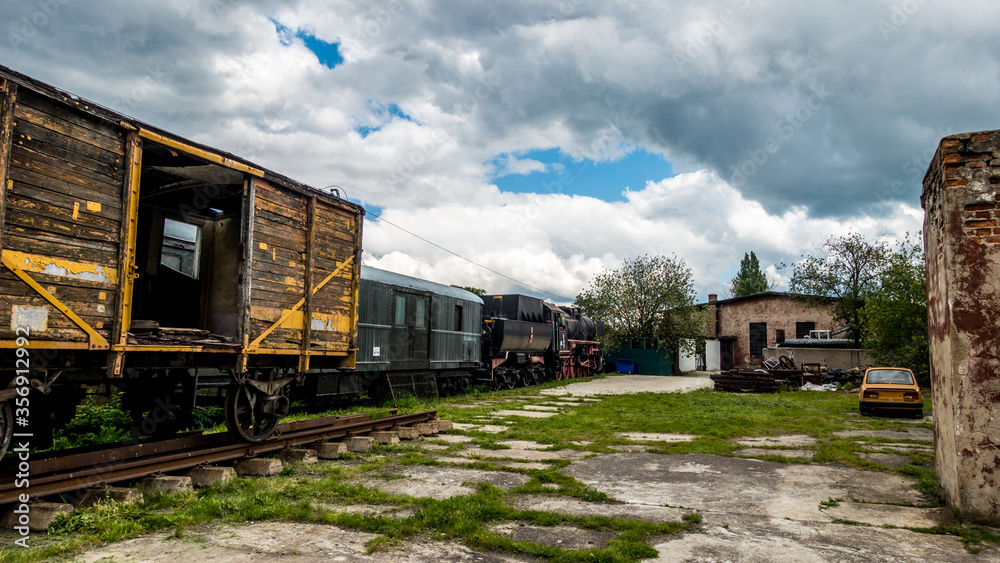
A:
549, 140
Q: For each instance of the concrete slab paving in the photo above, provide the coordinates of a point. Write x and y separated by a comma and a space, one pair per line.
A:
754, 539
578, 507
287, 542
632, 447
882, 514
710, 483
526, 455
541, 408
565, 537
792, 441
656, 437
895, 460
441, 482
923, 434
628, 384
793, 453
527, 414
454, 438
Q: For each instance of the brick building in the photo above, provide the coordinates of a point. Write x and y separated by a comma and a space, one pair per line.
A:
961, 199
746, 325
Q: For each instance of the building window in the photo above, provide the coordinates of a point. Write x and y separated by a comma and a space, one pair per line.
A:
779, 336
802, 329
458, 318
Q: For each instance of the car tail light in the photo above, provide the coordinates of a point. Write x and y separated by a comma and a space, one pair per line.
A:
871, 394
911, 396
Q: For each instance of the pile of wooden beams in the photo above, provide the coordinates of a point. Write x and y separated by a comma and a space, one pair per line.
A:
744, 380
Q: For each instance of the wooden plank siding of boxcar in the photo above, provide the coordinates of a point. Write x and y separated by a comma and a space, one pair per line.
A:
282, 252
333, 243
63, 204
276, 284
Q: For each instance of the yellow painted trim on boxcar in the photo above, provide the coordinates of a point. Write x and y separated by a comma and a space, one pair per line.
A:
97, 342
322, 322
289, 312
47, 344
296, 351
200, 153
61, 267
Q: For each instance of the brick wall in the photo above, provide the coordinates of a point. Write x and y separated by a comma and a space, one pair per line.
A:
962, 250
780, 311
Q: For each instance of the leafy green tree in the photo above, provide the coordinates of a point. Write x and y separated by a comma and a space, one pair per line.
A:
470, 289
647, 296
895, 315
750, 279
850, 270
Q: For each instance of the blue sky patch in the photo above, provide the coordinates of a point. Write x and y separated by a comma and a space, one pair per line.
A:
327, 53
384, 113
603, 180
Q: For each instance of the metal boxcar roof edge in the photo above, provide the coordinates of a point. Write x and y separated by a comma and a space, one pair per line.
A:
370, 273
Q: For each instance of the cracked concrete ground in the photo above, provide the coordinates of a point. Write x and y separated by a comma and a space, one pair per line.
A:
751, 509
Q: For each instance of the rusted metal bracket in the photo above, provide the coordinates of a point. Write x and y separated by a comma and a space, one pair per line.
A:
97, 342
256, 343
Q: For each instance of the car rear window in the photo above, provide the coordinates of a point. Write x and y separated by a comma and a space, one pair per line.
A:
886, 376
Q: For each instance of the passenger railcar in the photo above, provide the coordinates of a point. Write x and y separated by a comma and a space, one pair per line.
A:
409, 330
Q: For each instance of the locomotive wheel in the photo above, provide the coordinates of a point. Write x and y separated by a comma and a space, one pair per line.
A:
6, 426
251, 413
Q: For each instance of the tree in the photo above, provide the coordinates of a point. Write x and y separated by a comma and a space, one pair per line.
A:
647, 296
850, 271
895, 315
750, 279
470, 289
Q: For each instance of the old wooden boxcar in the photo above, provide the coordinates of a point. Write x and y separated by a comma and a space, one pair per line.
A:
136, 258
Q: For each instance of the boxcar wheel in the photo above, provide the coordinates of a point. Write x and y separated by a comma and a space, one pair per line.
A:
245, 415
6, 426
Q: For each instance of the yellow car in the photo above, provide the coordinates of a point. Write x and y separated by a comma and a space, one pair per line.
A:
892, 390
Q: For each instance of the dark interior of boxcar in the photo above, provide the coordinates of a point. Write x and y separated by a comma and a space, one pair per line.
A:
187, 249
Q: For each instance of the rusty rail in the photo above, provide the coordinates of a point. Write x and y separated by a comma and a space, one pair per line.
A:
75, 471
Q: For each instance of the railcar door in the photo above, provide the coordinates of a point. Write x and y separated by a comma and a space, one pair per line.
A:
409, 338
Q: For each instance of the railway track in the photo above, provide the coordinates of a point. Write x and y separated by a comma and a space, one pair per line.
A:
61, 472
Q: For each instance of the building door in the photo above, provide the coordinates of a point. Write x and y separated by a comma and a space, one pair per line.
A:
758, 339
409, 337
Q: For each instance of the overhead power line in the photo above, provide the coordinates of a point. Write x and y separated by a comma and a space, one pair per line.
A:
473, 262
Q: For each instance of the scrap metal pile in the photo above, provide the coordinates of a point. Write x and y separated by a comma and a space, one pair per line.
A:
775, 372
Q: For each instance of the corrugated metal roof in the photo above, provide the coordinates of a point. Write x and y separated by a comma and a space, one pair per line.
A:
384, 276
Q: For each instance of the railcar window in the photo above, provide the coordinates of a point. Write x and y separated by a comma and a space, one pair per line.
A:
181, 247
458, 318
421, 320
400, 310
